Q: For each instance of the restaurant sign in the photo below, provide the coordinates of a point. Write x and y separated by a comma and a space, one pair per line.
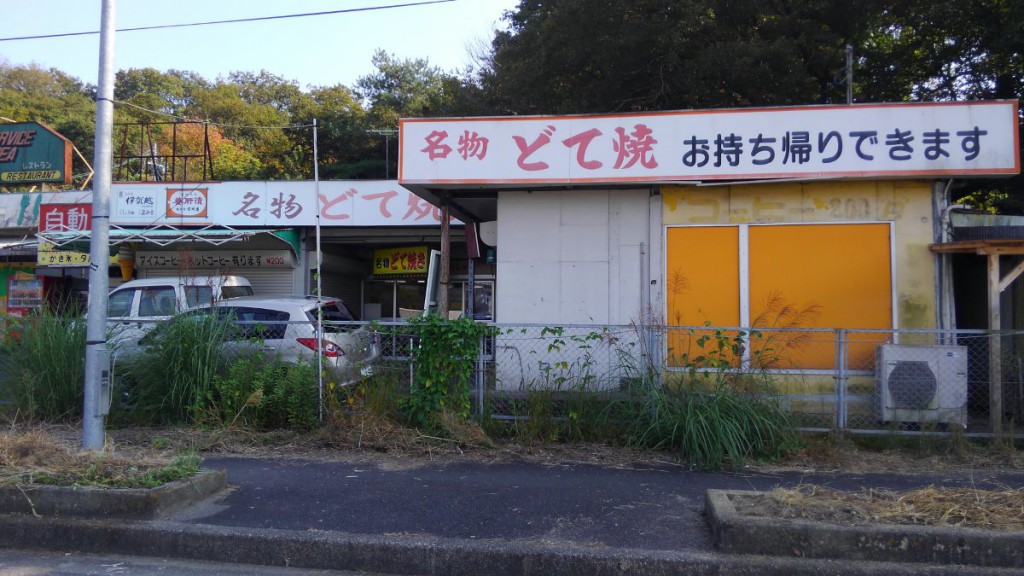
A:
394, 261
854, 141
32, 153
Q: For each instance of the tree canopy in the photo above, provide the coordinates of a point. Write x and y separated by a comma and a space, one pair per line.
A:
565, 56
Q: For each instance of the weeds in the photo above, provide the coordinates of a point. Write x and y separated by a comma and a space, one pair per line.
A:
263, 394
173, 377
716, 429
43, 357
443, 360
35, 457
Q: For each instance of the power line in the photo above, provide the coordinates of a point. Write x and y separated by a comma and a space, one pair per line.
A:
212, 123
233, 21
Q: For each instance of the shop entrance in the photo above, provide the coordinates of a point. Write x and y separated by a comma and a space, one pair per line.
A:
389, 300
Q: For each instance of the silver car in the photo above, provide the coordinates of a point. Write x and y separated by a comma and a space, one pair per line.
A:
285, 327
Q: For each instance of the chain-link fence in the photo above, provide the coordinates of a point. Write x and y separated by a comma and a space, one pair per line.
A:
905, 381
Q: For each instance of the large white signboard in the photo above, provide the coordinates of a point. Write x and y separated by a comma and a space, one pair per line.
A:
898, 140
269, 204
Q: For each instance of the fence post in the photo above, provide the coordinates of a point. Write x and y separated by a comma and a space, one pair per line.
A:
841, 378
480, 378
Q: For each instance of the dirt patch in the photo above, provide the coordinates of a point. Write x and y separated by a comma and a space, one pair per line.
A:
48, 455
961, 507
369, 438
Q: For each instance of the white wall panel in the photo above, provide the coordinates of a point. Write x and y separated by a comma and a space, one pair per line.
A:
584, 242
567, 257
527, 292
583, 293
532, 230
601, 228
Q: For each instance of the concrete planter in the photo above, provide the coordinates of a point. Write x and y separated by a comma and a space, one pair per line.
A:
745, 534
127, 503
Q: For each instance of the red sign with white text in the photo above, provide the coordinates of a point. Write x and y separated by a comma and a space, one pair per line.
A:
65, 217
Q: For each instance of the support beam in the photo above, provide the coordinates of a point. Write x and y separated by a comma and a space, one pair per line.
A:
1011, 276
995, 353
446, 254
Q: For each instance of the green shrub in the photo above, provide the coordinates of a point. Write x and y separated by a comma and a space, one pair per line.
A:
444, 357
172, 379
268, 394
43, 359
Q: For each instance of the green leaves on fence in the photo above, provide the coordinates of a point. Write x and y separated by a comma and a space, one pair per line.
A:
443, 357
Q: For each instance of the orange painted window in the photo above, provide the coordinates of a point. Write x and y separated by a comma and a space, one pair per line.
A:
800, 276
818, 276
703, 287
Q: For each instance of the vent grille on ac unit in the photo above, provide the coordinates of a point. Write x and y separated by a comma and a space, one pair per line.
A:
912, 385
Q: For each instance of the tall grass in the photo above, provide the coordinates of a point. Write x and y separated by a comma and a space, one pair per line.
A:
713, 430
266, 393
43, 357
172, 380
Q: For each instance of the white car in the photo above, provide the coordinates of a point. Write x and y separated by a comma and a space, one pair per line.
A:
285, 327
136, 307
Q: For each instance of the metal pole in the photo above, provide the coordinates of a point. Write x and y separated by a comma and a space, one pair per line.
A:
849, 74
442, 296
319, 297
97, 358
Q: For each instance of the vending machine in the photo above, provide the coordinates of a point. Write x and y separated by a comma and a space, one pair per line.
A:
25, 294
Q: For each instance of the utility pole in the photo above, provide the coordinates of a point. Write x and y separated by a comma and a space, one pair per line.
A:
849, 74
387, 149
97, 356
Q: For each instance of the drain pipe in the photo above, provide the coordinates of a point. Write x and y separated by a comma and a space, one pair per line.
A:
946, 274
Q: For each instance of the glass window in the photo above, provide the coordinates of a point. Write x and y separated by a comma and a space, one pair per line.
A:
378, 300
333, 311
259, 323
198, 295
157, 301
483, 300
119, 305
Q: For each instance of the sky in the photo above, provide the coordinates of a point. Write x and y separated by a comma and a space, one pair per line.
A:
320, 50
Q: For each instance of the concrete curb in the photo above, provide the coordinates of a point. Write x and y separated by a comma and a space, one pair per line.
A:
737, 533
129, 503
416, 555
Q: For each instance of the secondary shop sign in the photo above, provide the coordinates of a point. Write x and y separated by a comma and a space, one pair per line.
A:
392, 261
271, 204
235, 259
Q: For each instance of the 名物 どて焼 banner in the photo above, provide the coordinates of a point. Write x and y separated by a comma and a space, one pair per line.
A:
883, 140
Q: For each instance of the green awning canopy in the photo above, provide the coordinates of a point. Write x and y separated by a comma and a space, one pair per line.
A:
166, 235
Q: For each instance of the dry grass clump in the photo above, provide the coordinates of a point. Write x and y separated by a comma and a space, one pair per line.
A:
367, 432
464, 431
931, 506
33, 449
37, 456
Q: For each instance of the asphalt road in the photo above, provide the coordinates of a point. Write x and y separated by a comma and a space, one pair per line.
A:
35, 563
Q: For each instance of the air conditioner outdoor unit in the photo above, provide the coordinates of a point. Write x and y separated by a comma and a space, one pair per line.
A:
922, 384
